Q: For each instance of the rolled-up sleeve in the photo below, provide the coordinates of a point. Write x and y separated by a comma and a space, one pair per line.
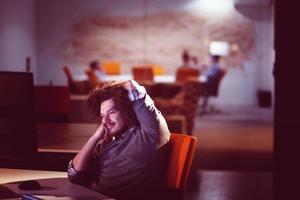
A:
78, 177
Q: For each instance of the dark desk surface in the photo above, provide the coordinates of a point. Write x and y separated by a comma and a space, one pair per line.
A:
59, 186
63, 137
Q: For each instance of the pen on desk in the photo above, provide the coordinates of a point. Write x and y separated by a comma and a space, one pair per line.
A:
28, 197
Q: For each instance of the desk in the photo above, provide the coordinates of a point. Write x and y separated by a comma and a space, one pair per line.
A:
63, 137
125, 77
12, 175
53, 183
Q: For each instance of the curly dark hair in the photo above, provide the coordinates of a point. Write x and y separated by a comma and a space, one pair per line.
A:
119, 94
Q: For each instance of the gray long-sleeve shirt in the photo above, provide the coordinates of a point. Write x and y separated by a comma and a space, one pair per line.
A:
132, 158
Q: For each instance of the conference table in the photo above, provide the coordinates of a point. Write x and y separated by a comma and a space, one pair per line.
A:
167, 78
125, 77
54, 185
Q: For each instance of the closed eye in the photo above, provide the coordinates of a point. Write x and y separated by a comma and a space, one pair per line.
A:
113, 110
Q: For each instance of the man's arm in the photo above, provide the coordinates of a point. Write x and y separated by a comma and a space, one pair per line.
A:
81, 163
150, 118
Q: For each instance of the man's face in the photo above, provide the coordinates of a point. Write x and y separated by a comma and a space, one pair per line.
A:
112, 118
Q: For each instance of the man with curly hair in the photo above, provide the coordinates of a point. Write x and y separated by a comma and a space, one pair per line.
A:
123, 158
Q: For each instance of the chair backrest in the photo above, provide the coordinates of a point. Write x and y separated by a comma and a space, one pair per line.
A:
186, 73
158, 69
68, 73
111, 67
182, 152
213, 88
223, 72
143, 73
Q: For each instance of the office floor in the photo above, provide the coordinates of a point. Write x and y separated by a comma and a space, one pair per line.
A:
231, 185
234, 156
235, 139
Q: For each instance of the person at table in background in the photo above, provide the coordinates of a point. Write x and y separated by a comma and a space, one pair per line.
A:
95, 66
95, 74
187, 70
186, 59
125, 156
214, 69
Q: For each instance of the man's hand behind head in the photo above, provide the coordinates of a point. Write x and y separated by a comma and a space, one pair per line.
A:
128, 85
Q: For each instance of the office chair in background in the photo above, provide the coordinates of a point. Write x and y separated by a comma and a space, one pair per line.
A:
211, 90
143, 73
184, 74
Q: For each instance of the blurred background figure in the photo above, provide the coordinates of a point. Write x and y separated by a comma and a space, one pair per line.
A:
214, 69
95, 74
95, 66
211, 81
186, 59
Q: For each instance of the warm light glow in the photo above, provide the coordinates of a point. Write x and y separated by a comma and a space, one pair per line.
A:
211, 7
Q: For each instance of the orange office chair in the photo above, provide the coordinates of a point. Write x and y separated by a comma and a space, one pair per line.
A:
111, 67
182, 152
185, 73
158, 69
143, 73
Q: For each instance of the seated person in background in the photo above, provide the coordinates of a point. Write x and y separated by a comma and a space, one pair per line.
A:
122, 159
214, 70
187, 70
211, 78
97, 69
186, 59
95, 74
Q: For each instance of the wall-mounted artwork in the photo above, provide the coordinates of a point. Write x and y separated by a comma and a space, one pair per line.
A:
157, 38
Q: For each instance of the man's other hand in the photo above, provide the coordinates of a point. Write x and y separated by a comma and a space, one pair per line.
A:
101, 133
